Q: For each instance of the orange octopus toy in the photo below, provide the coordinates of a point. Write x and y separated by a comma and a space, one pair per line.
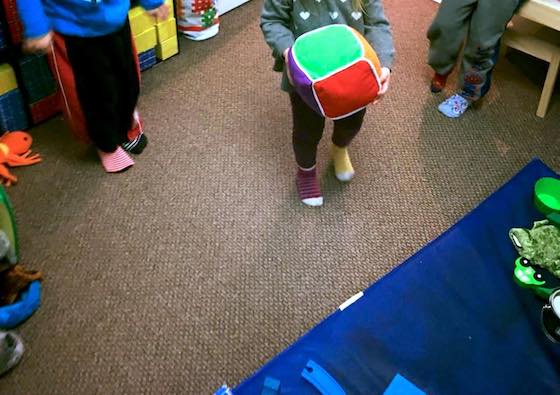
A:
15, 150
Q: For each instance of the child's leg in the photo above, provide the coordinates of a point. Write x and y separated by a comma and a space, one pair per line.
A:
447, 34
64, 74
487, 27
344, 131
488, 83
89, 70
97, 88
126, 70
307, 132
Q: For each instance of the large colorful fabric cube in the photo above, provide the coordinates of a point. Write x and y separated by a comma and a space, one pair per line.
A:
334, 70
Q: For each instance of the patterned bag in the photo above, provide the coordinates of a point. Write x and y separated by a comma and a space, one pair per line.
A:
197, 19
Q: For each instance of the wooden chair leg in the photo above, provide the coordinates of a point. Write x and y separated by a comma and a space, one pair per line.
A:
503, 48
548, 85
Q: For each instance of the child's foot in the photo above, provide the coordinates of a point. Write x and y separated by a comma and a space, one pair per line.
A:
308, 187
11, 351
438, 82
137, 145
342, 165
137, 140
115, 162
454, 106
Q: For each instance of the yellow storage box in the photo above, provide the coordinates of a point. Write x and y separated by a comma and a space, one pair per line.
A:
146, 40
167, 48
140, 21
8, 80
166, 30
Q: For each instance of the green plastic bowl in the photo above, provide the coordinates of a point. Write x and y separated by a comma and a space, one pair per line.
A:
547, 198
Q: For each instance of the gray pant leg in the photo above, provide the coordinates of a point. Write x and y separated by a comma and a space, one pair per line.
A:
448, 32
487, 26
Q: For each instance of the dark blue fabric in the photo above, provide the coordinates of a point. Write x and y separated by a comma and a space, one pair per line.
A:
450, 318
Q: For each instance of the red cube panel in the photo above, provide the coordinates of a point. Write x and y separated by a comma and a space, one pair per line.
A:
356, 85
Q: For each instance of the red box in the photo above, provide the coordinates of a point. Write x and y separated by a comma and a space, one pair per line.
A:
14, 23
46, 108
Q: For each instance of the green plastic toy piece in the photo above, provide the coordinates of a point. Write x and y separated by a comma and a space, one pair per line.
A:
547, 198
8, 225
526, 275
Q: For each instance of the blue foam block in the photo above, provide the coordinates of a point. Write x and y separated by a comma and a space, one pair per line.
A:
271, 386
401, 386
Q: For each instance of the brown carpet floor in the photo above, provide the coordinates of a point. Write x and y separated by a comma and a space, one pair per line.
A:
199, 264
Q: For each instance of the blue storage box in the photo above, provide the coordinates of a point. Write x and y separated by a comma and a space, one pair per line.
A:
3, 43
147, 59
12, 112
38, 80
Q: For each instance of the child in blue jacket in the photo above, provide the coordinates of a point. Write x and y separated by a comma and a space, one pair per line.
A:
95, 63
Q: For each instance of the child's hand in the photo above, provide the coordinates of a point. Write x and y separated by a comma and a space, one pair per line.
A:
384, 80
161, 13
286, 66
38, 45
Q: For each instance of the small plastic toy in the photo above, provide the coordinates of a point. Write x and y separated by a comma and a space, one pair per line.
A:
540, 245
321, 379
29, 301
550, 317
271, 387
223, 390
8, 226
527, 276
547, 198
401, 386
15, 150
13, 281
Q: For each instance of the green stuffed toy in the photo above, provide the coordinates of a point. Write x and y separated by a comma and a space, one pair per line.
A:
540, 245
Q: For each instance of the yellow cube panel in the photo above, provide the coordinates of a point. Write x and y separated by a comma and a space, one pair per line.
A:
8, 80
146, 40
140, 21
166, 30
167, 48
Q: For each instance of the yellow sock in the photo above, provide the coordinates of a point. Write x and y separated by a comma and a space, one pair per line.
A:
342, 165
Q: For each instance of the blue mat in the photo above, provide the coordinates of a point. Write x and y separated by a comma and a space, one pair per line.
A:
449, 320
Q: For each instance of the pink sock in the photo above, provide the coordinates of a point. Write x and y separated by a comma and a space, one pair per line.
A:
308, 187
114, 162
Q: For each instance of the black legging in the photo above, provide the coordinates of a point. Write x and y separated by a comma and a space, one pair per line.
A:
308, 130
107, 84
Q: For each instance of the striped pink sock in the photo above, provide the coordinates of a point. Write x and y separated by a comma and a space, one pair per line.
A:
308, 187
114, 162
